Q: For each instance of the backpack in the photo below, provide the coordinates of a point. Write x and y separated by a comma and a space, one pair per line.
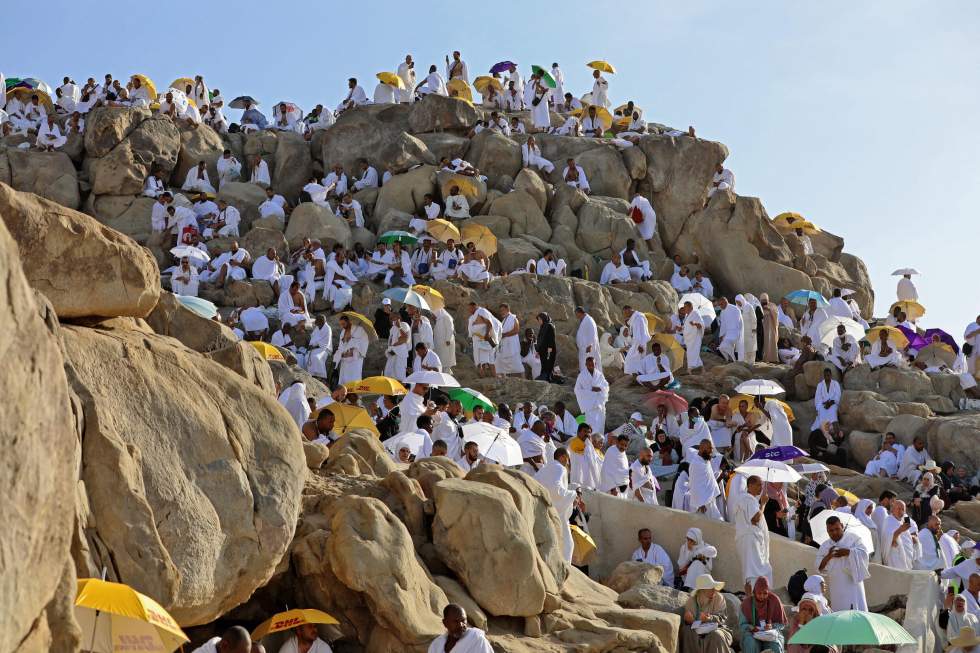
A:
795, 585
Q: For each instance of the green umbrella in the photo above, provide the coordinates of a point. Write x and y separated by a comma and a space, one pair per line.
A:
852, 627
548, 80
402, 237
470, 399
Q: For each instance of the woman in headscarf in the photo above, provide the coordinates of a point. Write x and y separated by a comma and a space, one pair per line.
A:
959, 616
863, 511
776, 509
807, 610
547, 346
665, 457
695, 558
761, 612
769, 330
703, 629
817, 588
924, 491
680, 500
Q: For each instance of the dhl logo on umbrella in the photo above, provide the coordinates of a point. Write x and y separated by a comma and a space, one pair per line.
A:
136, 643
159, 618
287, 623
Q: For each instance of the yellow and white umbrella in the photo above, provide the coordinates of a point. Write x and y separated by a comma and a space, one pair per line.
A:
913, 310
442, 230
181, 84
481, 237
357, 318
145, 81
391, 79
467, 185
653, 322
115, 617
268, 352
602, 113
670, 346
483, 82
291, 619
435, 299
376, 385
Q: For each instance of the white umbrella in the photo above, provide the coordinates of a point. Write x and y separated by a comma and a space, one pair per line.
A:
901, 272
494, 442
192, 253
701, 304
811, 468
199, 305
764, 387
180, 98
846, 292
818, 527
429, 377
771, 471
828, 330
411, 440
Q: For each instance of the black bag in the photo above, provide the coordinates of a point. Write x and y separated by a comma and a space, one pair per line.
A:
795, 585
536, 101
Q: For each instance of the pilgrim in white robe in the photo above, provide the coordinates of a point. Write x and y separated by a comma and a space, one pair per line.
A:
961, 571
197, 181
260, 174
686, 557
185, 282
291, 645
540, 113
396, 356
885, 461
319, 351
724, 180
482, 334
655, 369
289, 312
842, 358
350, 355
612, 273
582, 182
509, 349
591, 393
703, 488
444, 339
826, 392
554, 477
585, 466
644, 481
681, 499
50, 136
749, 344
904, 552
845, 576
656, 555
472, 641
906, 291
931, 559
810, 325
692, 339
729, 331
600, 92
751, 540
338, 284
908, 469
782, 430
587, 341
875, 359
639, 337
531, 156
615, 472
293, 399
267, 269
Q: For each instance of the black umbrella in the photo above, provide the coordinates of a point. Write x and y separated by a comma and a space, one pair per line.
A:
242, 101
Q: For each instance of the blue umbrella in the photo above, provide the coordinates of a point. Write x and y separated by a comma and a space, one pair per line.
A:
779, 453
408, 297
202, 307
501, 66
804, 296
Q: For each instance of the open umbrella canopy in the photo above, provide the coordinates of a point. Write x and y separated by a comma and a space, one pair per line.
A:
412, 441
756, 387
854, 628
895, 337
818, 527
146, 82
289, 620
113, 615
391, 79
583, 546
269, 352
806, 227
442, 230
241, 101
461, 88
502, 66
435, 299
770, 471
847, 494
779, 453
913, 310
653, 322
402, 237
622, 108
601, 113
901, 272
828, 330
408, 297
787, 219
484, 82
470, 399
467, 186
357, 318
494, 442
737, 399
675, 403
546, 77
701, 304
481, 237
811, 468
181, 83
670, 346
429, 377
199, 305
376, 385
943, 337
192, 253
604, 66
347, 417
802, 297
24, 93
936, 354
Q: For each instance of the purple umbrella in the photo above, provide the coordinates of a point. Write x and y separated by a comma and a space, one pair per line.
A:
943, 337
779, 453
501, 66
916, 342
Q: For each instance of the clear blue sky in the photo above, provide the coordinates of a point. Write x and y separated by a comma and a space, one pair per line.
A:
863, 116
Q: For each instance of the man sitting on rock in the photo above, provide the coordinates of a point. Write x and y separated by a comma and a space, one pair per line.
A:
474, 270
639, 269
430, 211
229, 265
229, 168
355, 96
653, 554
615, 271
368, 177
548, 265
703, 285
724, 179
274, 205
184, 279
305, 639
885, 462
350, 210
336, 182
883, 353
197, 179
235, 640
225, 223
49, 136
459, 637
457, 208
574, 176
655, 370
844, 353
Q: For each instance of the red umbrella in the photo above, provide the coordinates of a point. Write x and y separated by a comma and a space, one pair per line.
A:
673, 401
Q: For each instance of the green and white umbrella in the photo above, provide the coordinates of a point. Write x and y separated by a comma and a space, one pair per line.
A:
470, 399
402, 237
853, 628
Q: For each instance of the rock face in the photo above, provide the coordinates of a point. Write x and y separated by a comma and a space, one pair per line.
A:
376, 133
165, 515
440, 113
122, 144
313, 221
38, 506
59, 247
170, 318
48, 174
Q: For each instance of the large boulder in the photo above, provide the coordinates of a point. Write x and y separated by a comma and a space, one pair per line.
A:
514, 253
294, 165
259, 240
631, 573
405, 192
171, 318
48, 174
495, 155
604, 169
443, 144
440, 113
127, 214
604, 228
244, 360
377, 134
38, 473
246, 198
83, 267
481, 535
191, 475
199, 144
122, 168
524, 213
310, 220
955, 438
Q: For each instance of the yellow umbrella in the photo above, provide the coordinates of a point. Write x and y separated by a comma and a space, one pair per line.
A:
935, 354
913, 310
347, 417
670, 346
442, 230
433, 297
376, 385
391, 79
181, 83
786, 219
289, 620
604, 66
622, 109
463, 90
24, 94
151, 88
895, 337
653, 322
584, 546
602, 113
737, 399
114, 616
850, 496
481, 237
483, 82
364, 322
467, 186
269, 352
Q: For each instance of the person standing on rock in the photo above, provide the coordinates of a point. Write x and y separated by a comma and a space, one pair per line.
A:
586, 337
826, 400
509, 361
747, 346
547, 348
843, 561
704, 490
484, 330
729, 329
639, 331
456, 69
459, 637
770, 329
444, 339
352, 348
406, 70
600, 90
540, 113
398, 345
644, 216
554, 477
693, 331
751, 533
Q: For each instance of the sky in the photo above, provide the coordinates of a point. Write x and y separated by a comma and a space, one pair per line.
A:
862, 116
